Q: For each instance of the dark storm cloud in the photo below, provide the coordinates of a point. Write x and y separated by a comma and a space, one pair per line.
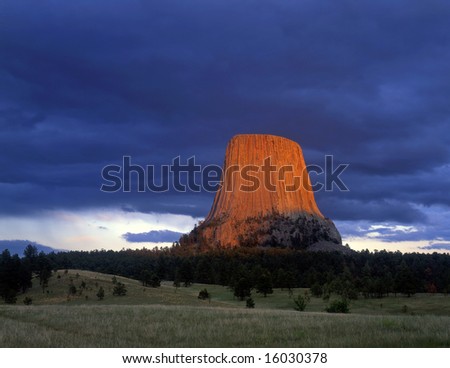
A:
84, 83
154, 236
375, 210
434, 228
436, 246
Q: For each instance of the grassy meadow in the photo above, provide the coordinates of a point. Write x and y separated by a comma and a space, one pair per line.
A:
175, 317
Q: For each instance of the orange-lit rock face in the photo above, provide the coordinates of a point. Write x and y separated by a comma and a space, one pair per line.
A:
263, 174
265, 198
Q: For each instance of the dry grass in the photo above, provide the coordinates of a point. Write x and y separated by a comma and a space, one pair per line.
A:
166, 317
187, 326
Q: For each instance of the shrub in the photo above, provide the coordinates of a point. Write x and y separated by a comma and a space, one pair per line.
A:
155, 281
27, 301
150, 279
301, 302
72, 289
101, 293
250, 303
338, 306
203, 294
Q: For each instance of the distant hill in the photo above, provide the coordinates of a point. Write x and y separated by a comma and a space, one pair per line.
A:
18, 246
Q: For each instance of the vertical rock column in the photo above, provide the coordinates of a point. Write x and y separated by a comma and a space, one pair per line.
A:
265, 197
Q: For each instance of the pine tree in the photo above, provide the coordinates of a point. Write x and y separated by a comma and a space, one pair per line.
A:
405, 282
101, 293
264, 284
120, 289
242, 289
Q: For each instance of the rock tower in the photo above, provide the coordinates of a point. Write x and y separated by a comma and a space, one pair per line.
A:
265, 199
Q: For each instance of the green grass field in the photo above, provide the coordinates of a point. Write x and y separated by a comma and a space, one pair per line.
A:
170, 317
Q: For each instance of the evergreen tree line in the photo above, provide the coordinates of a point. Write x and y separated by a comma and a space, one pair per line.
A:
16, 272
367, 274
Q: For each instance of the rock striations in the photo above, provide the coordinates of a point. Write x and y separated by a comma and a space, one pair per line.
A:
265, 199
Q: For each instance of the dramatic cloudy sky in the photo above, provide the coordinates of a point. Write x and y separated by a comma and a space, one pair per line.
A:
83, 83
